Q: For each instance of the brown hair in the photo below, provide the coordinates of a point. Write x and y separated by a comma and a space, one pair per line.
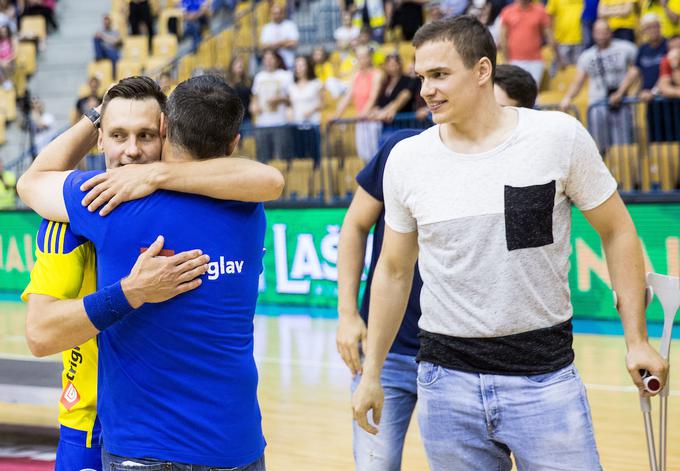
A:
469, 36
135, 88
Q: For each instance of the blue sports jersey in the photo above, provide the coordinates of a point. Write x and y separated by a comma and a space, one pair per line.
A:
177, 380
371, 179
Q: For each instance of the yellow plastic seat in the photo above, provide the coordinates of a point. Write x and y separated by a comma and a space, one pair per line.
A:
103, 70
165, 45
136, 48
27, 57
127, 68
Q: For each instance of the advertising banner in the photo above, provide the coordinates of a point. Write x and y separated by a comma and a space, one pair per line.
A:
300, 263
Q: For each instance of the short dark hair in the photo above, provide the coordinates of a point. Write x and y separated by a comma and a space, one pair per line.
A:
517, 83
135, 88
469, 36
204, 115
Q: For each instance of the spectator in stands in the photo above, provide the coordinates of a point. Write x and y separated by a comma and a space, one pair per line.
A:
325, 72
622, 16
8, 48
42, 122
44, 8
281, 35
8, 188
666, 70
605, 65
239, 80
268, 108
668, 12
370, 13
306, 103
346, 33
81, 105
514, 86
107, 42
196, 18
408, 15
363, 93
8, 15
525, 26
665, 115
566, 20
647, 62
397, 95
305, 93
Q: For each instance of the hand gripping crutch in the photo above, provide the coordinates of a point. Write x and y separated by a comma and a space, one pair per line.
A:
667, 289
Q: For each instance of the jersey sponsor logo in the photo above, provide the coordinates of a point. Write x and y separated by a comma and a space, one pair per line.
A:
224, 267
76, 359
70, 396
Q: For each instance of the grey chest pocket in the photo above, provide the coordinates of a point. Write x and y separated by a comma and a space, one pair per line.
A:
528, 215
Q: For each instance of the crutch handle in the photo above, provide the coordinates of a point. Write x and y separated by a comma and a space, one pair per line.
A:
652, 384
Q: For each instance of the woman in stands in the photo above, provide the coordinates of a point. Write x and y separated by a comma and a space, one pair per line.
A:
363, 93
8, 49
306, 103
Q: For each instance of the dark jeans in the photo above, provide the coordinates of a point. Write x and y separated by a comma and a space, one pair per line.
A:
120, 463
141, 13
194, 30
663, 121
307, 142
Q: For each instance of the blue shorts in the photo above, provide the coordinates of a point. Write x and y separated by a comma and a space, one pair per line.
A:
74, 455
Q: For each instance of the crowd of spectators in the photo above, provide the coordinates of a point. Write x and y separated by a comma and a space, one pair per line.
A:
289, 89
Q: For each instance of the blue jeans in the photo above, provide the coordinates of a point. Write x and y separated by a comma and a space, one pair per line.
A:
103, 50
473, 421
120, 463
382, 452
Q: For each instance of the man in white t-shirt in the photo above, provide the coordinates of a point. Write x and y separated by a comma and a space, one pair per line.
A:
483, 200
280, 34
268, 107
605, 65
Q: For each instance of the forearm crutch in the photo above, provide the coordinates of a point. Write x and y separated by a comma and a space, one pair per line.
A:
667, 290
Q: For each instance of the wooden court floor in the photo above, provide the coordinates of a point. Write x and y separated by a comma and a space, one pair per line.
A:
305, 399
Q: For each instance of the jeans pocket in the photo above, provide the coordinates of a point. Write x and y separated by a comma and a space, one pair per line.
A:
428, 373
553, 377
528, 215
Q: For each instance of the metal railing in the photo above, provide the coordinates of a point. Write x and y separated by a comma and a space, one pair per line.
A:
640, 143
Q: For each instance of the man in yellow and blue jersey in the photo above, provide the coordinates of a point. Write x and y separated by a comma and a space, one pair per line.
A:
65, 269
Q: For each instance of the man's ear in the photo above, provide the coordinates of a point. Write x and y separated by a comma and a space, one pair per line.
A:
233, 144
164, 125
100, 140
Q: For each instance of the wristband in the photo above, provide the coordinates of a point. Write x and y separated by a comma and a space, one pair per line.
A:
107, 306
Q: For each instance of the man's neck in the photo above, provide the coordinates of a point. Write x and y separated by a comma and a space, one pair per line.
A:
173, 153
487, 128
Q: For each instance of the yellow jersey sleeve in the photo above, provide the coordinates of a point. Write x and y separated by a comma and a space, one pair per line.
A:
60, 265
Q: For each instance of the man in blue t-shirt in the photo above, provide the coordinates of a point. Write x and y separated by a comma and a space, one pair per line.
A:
514, 87
178, 382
